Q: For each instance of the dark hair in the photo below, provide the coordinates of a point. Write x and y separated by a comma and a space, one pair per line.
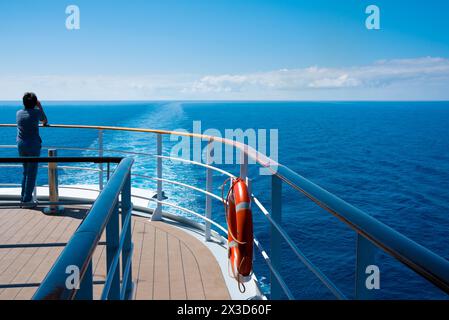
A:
29, 100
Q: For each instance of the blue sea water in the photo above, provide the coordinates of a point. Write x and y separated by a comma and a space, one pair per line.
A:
390, 159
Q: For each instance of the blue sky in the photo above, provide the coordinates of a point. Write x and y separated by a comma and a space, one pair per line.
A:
225, 49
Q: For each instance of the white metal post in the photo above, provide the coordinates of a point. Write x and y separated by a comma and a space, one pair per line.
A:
209, 187
244, 176
244, 164
100, 154
157, 214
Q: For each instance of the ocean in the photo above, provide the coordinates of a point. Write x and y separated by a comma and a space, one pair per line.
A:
389, 159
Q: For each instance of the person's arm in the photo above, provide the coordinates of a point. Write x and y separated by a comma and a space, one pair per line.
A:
43, 115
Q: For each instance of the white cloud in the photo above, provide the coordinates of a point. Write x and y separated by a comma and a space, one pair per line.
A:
405, 79
341, 81
67, 87
379, 74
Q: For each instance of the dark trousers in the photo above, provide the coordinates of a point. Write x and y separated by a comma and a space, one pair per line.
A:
29, 170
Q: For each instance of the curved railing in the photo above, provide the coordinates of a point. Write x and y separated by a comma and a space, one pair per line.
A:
371, 233
113, 202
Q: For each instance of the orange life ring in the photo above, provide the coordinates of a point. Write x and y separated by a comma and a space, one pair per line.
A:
240, 231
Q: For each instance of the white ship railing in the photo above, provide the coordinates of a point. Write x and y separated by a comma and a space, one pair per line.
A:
371, 234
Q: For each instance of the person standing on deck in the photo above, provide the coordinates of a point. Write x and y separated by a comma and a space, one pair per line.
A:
29, 143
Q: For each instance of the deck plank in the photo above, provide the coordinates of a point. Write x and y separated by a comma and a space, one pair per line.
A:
16, 223
19, 264
209, 271
34, 256
177, 279
168, 263
194, 282
20, 236
22, 264
161, 277
52, 254
62, 234
137, 234
144, 277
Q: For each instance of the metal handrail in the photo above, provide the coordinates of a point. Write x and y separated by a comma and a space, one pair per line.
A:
59, 167
260, 158
60, 159
295, 249
419, 259
13, 146
80, 248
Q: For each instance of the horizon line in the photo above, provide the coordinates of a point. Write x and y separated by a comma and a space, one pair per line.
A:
224, 100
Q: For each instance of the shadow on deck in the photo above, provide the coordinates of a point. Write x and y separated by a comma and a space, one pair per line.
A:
168, 263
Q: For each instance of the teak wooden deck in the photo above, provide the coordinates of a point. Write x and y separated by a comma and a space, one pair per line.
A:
168, 263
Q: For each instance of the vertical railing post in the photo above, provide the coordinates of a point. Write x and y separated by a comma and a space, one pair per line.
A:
53, 190
86, 290
126, 251
275, 244
243, 164
209, 188
35, 193
112, 245
157, 214
100, 154
365, 256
